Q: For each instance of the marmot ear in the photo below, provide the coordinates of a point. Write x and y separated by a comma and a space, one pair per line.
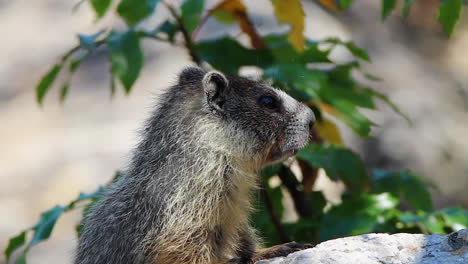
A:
215, 85
191, 75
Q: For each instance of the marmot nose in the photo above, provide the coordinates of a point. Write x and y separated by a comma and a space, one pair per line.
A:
311, 122
311, 125
310, 118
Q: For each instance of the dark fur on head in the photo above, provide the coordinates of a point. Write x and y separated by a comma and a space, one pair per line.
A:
185, 197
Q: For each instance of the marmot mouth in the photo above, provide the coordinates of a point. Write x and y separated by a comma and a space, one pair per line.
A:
280, 155
281, 151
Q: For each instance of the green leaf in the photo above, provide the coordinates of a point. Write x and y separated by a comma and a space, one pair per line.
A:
85, 196
426, 222
455, 217
407, 217
100, 6
354, 119
405, 184
433, 224
303, 230
21, 259
191, 12
169, 28
343, 90
318, 201
73, 66
43, 87
449, 14
334, 87
415, 191
355, 50
220, 51
302, 83
113, 86
387, 7
339, 164
270, 171
345, 4
355, 215
93, 197
88, 41
134, 11
64, 91
15, 243
263, 222
372, 77
284, 53
126, 57
406, 7
388, 102
281, 49
43, 228
313, 54
345, 95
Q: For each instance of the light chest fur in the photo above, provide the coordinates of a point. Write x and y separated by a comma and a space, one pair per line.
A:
211, 206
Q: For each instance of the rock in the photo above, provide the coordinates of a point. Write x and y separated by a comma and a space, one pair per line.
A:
384, 249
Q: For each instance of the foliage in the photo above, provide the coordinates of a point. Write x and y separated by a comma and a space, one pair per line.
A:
372, 201
43, 228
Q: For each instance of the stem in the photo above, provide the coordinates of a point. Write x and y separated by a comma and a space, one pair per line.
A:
185, 34
309, 175
69, 53
145, 34
301, 203
283, 235
202, 22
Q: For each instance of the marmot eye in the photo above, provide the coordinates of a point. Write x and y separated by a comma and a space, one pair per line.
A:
268, 102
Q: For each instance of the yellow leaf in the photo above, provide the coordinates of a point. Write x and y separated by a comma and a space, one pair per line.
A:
290, 11
234, 9
330, 4
326, 108
231, 5
329, 132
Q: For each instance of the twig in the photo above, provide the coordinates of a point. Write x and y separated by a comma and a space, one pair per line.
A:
301, 203
283, 235
185, 34
309, 175
150, 35
202, 22
69, 53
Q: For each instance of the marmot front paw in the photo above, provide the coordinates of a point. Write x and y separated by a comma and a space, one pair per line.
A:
279, 251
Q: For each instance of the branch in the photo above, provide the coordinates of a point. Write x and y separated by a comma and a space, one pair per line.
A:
309, 175
185, 34
301, 203
69, 53
203, 21
283, 235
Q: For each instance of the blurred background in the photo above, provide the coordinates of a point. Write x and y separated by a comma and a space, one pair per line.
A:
49, 154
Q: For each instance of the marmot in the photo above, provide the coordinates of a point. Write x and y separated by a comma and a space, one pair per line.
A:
185, 197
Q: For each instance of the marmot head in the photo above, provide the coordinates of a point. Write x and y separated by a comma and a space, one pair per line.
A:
262, 120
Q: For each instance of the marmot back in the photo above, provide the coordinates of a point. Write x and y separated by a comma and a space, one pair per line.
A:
185, 197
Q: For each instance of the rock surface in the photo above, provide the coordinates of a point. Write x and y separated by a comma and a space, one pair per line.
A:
385, 249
